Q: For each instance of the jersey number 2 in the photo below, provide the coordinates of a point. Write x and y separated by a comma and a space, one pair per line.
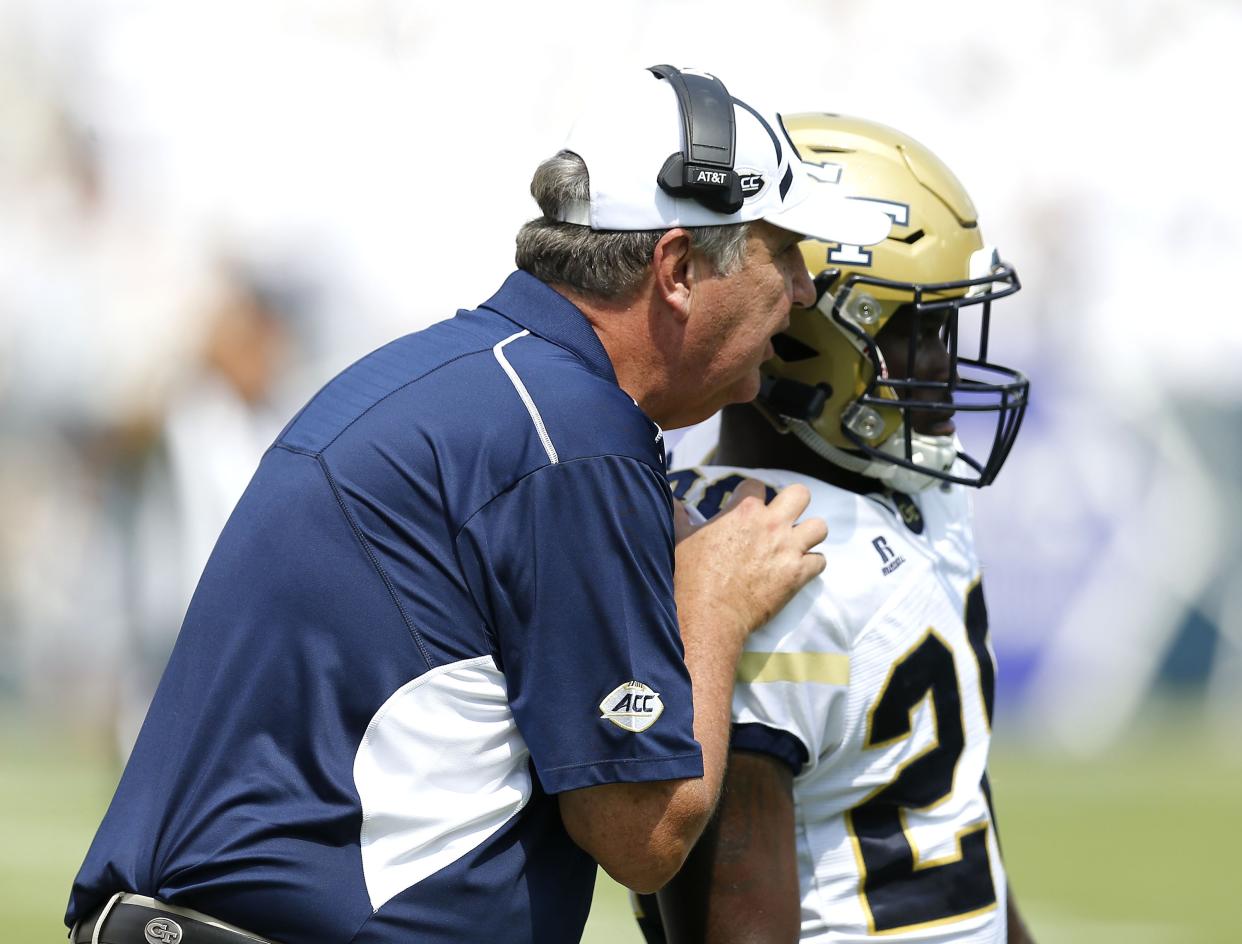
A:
900, 890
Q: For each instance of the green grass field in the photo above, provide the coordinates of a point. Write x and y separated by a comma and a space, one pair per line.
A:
1135, 846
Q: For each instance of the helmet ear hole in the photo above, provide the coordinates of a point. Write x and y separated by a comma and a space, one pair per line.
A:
792, 399
791, 350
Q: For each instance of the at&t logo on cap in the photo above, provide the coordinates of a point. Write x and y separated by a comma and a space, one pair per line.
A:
632, 706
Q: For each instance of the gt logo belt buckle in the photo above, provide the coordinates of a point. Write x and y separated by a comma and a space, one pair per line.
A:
162, 931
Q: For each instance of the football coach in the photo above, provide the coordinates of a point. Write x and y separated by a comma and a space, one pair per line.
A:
438, 664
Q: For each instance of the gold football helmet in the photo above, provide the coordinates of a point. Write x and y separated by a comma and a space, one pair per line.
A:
829, 384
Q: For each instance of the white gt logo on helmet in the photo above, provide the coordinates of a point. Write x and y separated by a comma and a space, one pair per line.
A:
632, 706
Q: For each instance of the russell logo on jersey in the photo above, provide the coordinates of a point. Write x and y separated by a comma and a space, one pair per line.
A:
888, 557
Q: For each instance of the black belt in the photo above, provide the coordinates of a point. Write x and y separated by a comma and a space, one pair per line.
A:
136, 919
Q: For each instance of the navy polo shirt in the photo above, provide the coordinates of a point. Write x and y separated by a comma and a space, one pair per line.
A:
446, 596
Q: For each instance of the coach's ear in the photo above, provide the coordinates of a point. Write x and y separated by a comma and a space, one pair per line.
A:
673, 264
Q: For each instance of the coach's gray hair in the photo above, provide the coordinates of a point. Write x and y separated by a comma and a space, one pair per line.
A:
603, 263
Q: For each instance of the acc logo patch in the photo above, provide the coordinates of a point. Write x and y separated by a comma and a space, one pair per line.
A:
632, 706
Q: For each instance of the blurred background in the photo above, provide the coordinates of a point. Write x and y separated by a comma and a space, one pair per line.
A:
208, 208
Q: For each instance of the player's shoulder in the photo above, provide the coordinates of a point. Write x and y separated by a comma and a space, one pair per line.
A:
707, 489
832, 608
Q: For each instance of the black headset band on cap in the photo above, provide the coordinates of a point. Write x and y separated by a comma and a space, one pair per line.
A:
703, 169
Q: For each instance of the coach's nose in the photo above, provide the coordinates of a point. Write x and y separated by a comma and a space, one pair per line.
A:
803, 287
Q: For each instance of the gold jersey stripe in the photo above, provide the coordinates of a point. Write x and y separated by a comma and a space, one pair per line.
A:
826, 668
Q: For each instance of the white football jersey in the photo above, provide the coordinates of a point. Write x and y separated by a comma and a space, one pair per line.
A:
882, 673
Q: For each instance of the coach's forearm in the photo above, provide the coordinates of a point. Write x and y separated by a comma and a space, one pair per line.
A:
711, 659
641, 833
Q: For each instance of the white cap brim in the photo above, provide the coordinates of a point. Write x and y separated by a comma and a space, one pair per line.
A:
821, 213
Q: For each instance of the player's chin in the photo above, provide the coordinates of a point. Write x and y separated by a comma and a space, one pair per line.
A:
940, 426
930, 421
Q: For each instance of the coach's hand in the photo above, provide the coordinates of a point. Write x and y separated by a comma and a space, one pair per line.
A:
749, 560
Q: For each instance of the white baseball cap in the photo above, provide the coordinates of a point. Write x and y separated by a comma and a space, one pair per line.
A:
628, 134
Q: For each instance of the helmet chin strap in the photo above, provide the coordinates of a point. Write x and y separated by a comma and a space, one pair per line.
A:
933, 452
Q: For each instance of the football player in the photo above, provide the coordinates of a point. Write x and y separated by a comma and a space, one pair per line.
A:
856, 803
